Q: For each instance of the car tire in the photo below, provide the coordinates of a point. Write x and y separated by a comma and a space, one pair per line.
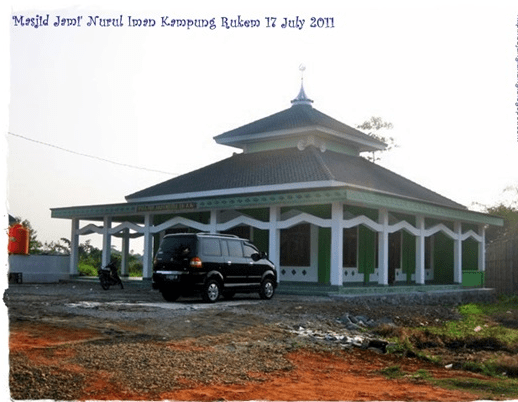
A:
267, 289
170, 295
211, 291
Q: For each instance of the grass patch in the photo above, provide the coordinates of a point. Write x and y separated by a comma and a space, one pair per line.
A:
485, 389
478, 342
493, 388
477, 326
392, 372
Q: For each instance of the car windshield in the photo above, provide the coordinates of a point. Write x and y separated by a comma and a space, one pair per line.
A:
178, 246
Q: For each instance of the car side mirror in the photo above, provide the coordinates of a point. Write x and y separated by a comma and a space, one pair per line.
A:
258, 256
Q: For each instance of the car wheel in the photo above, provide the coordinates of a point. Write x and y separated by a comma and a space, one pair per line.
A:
211, 291
267, 289
170, 295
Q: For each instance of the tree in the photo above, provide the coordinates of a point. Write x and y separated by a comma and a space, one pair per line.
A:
373, 126
508, 210
56, 248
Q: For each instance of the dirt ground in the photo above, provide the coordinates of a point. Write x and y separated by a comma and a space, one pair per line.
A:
75, 341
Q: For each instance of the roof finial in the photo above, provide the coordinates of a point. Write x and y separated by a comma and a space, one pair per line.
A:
301, 98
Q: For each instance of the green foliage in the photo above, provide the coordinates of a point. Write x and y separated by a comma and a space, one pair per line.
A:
374, 126
395, 372
470, 309
422, 374
56, 248
485, 389
135, 266
392, 372
477, 325
506, 210
86, 270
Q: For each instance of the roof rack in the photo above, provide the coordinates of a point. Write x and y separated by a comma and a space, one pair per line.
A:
218, 234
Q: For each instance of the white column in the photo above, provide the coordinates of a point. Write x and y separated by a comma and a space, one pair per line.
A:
125, 253
457, 253
420, 251
213, 221
337, 243
74, 247
482, 249
274, 239
107, 241
383, 248
147, 263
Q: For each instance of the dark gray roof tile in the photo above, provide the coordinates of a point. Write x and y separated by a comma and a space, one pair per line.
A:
288, 166
297, 116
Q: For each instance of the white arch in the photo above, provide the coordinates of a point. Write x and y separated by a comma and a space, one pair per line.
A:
404, 225
362, 220
304, 218
243, 219
441, 227
471, 233
89, 229
126, 225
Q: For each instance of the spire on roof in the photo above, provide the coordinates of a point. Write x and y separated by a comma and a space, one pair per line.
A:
302, 98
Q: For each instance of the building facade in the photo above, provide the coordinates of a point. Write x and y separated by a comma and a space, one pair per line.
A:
301, 192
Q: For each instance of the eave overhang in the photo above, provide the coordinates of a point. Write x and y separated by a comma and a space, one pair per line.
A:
363, 144
261, 197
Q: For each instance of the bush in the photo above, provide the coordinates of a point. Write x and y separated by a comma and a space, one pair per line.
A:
86, 269
135, 268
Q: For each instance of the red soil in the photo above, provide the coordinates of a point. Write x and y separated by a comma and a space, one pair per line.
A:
352, 375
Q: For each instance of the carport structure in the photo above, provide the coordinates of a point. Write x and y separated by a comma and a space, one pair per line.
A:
301, 191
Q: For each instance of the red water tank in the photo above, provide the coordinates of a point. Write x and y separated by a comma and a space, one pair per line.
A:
18, 240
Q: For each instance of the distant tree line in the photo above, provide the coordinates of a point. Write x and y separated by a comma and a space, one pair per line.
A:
506, 210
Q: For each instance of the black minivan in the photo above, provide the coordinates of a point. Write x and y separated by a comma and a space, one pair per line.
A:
213, 265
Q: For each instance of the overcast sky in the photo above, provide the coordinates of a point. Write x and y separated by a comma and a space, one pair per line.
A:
443, 72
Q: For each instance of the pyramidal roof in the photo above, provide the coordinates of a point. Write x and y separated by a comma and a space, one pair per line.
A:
300, 120
291, 167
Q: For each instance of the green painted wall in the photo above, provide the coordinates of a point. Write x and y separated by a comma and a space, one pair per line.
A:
261, 238
469, 255
261, 214
324, 255
322, 211
366, 252
357, 211
443, 259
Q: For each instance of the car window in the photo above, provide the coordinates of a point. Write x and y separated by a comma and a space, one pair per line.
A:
211, 247
234, 248
178, 246
249, 250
